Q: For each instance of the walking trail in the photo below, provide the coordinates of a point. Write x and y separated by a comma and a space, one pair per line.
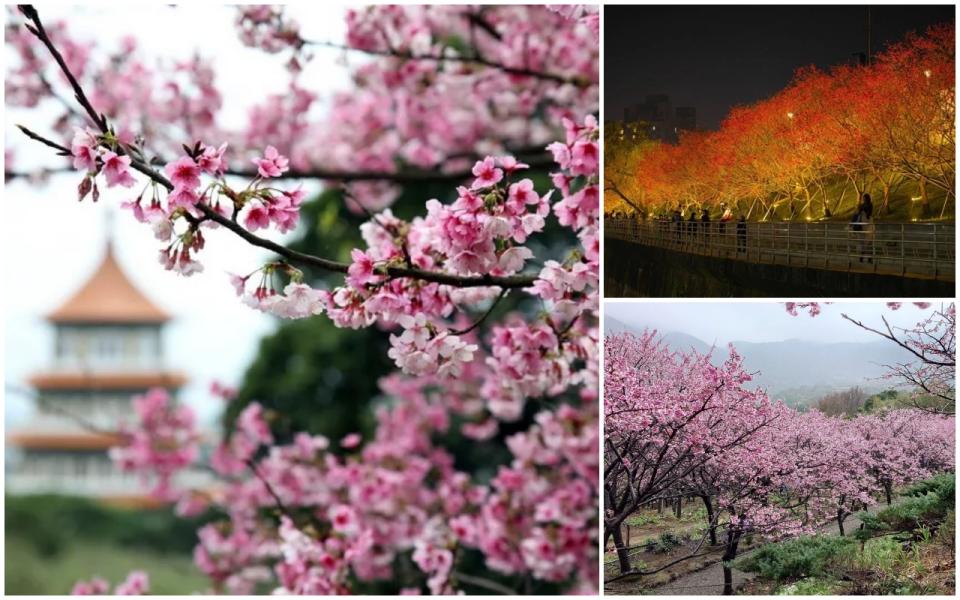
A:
709, 581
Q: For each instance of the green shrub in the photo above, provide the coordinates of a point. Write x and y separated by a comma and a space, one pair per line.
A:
663, 544
808, 556
927, 505
941, 484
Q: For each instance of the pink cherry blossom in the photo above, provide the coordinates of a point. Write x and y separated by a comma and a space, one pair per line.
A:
486, 173
272, 164
116, 170
183, 173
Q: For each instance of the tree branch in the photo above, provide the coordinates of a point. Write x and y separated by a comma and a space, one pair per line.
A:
467, 60
486, 280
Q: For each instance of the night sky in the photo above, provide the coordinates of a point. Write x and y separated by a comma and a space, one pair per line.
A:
717, 57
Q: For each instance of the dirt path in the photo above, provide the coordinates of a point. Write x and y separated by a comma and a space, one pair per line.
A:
709, 581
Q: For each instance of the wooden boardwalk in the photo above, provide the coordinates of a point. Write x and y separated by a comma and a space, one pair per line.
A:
917, 250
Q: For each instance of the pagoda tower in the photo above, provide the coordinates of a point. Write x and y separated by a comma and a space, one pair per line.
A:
108, 348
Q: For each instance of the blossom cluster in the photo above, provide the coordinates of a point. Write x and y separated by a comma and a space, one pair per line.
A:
137, 583
162, 442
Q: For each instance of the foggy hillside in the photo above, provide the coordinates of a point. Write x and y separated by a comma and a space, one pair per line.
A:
796, 371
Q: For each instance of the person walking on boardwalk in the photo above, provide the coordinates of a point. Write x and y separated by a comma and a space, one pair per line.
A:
742, 234
859, 223
692, 227
677, 219
726, 216
867, 228
705, 221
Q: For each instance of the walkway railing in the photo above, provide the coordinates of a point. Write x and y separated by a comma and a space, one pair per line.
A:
922, 250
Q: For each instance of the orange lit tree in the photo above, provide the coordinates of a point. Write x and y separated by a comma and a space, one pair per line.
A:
811, 150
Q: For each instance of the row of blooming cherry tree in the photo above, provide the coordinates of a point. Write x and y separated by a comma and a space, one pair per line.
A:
812, 149
677, 425
470, 96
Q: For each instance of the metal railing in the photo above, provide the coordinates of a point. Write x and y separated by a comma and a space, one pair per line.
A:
921, 250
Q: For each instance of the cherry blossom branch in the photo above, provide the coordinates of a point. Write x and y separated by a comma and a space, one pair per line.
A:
266, 484
486, 280
37, 30
80, 421
539, 160
890, 335
483, 317
468, 60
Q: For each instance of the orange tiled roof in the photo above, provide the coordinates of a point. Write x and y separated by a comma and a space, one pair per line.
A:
106, 381
108, 297
64, 441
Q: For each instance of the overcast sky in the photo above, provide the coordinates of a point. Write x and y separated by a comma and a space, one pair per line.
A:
52, 243
722, 322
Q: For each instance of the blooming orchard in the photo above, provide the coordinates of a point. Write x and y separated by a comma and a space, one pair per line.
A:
679, 425
473, 96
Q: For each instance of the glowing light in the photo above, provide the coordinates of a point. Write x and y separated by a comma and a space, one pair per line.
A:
927, 73
915, 198
789, 115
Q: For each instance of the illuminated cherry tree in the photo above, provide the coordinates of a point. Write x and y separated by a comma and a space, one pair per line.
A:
469, 96
812, 149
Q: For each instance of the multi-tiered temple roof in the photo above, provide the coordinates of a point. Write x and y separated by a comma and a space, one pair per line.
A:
108, 348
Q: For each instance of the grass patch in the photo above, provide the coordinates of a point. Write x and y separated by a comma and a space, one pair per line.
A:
28, 571
808, 587
641, 519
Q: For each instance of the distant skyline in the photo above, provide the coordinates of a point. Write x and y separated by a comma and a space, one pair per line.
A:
723, 322
717, 57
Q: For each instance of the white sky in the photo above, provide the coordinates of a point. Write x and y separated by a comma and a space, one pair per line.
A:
52, 243
721, 322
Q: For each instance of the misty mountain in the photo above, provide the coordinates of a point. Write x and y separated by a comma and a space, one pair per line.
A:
798, 372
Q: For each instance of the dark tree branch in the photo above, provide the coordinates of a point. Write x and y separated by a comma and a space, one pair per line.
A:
467, 60
483, 317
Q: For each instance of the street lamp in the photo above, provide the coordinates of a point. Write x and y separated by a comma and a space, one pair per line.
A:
927, 73
789, 115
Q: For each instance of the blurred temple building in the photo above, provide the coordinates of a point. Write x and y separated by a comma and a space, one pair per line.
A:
108, 348
661, 119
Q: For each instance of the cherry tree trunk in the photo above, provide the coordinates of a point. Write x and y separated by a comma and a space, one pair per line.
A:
711, 526
733, 541
623, 553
